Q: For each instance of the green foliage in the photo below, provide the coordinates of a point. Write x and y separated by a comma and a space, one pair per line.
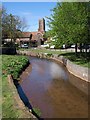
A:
47, 47
37, 111
69, 22
13, 65
80, 59
49, 54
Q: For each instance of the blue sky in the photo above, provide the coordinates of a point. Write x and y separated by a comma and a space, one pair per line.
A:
31, 11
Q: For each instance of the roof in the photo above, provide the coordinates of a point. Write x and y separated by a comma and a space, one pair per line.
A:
26, 34
34, 35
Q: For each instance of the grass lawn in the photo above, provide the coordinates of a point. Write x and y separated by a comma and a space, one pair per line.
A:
10, 65
8, 104
44, 51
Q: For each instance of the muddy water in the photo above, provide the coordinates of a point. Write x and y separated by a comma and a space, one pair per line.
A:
46, 85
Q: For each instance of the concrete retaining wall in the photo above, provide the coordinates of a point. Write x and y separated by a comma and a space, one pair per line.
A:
82, 80
77, 70
80, 72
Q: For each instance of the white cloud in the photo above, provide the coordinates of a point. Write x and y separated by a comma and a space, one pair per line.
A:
29, 15
26, 13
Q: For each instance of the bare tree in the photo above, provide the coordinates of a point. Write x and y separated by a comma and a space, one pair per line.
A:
12, 26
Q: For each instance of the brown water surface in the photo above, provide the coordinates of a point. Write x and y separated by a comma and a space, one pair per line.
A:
46, 85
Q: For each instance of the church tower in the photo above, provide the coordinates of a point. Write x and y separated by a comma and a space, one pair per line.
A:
41, 25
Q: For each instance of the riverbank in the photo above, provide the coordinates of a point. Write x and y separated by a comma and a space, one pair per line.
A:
79, 59
77, 70
12, 106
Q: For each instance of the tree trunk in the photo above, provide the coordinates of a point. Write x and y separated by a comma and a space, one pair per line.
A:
80, 47
76, 48
85, 50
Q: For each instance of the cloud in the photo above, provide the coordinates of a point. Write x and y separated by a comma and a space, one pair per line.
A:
29, 15
26, 13
58, 72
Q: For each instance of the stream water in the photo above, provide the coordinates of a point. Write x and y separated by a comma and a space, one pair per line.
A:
46, 85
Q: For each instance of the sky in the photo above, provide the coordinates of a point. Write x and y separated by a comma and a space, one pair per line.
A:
31, 12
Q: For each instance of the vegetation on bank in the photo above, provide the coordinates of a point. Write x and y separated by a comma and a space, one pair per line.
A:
11, 65
49, 51
80, 58
9, 110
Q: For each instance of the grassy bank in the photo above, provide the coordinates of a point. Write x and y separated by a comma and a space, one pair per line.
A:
44, 51
9, 109
11, 65
79, 59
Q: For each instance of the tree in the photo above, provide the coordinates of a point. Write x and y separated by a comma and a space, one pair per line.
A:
69, 23
12, 26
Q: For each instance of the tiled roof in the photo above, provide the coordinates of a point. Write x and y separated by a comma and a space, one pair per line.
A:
26, 34
35, 36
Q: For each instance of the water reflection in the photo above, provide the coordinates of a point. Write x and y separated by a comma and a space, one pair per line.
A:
48, 89
57, 72
24, 99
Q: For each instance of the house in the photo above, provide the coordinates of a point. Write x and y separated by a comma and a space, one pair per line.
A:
33, 38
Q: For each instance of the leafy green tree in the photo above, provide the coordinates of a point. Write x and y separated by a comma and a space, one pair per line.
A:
70, 23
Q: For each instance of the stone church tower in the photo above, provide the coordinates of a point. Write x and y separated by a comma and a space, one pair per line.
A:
34, 38
41, 25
